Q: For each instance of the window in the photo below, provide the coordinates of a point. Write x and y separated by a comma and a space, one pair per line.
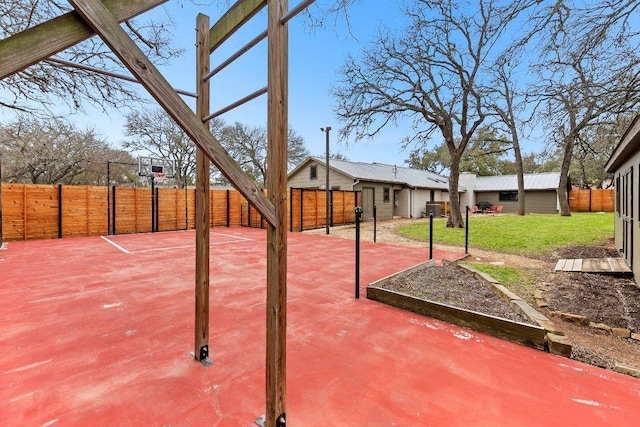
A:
386, 194
508, 196
313, 172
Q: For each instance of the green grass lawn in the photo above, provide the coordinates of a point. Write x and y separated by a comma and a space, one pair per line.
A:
533, 233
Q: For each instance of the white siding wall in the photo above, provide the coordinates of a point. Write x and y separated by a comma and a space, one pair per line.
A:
420, 199
301, 179
403, 203
633, 213
467, 198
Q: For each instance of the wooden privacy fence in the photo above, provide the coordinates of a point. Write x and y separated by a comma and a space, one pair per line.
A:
55, 211
307, 208
599, 200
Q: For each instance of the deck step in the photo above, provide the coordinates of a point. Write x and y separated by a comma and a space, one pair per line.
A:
594, 265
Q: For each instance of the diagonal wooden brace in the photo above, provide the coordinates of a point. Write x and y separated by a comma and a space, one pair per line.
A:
106, 26
48, 38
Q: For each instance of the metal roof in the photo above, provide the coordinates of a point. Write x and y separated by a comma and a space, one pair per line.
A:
532, 181
381, 172
416, 178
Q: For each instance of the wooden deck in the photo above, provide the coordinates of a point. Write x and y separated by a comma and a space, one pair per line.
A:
615, 266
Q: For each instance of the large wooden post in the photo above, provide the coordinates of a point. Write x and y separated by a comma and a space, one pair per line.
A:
277, 126
201, 344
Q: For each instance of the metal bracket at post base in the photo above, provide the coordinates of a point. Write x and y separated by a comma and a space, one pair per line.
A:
281, 421
204, 356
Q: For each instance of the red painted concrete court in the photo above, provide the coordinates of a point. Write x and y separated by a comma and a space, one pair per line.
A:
98, 332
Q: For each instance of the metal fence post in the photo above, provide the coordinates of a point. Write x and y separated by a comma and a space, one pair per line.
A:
358, 216
466, 232
375, 223
430, 234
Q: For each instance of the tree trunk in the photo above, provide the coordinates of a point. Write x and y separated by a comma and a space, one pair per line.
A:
455, 216
563, 197
520, 173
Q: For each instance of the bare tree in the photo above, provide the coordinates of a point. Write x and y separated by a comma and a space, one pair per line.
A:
589, 73
52, 151
507, 104
42, 87
432, 74
153, 132
484, 156
248, 146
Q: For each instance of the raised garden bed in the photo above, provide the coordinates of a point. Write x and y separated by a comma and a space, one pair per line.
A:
467, 298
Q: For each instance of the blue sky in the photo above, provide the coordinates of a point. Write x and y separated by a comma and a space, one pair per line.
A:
314, 57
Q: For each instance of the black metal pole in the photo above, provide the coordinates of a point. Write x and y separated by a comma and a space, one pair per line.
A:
331, 205
186, 205
326, 195
358, 215
291, 209
301, 209
375, 223
59, 211
430, 234
108, 198
228, 209
466, 232
157, 194
153, 205
0, 200
113, 217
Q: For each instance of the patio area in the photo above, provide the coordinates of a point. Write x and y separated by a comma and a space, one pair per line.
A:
98, 331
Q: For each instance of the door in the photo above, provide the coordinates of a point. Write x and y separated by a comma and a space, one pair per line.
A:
627, 216
368, 200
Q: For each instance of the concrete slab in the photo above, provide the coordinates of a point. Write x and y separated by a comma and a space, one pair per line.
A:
96, 332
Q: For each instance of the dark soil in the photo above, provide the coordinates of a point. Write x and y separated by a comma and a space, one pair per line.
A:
575, 252
450, 285
603, 299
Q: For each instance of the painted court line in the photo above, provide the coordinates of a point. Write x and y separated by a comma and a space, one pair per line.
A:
187, 246
236, 239
231, 235
116, 245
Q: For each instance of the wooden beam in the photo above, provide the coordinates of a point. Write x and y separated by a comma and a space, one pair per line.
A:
107, 27
277, 131
44, 40
202, 198
234, 18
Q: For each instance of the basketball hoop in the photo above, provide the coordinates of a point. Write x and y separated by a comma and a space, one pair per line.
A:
156, 168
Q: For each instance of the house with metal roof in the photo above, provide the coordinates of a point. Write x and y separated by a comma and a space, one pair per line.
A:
541, 191
411, 193
395, 191
623, 161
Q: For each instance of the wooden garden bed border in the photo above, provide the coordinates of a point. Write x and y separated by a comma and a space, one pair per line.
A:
530, 335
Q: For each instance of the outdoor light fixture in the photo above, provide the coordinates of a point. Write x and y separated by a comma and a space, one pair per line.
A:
326, 131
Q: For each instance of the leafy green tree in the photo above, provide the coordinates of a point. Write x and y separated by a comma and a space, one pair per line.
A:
485, 156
